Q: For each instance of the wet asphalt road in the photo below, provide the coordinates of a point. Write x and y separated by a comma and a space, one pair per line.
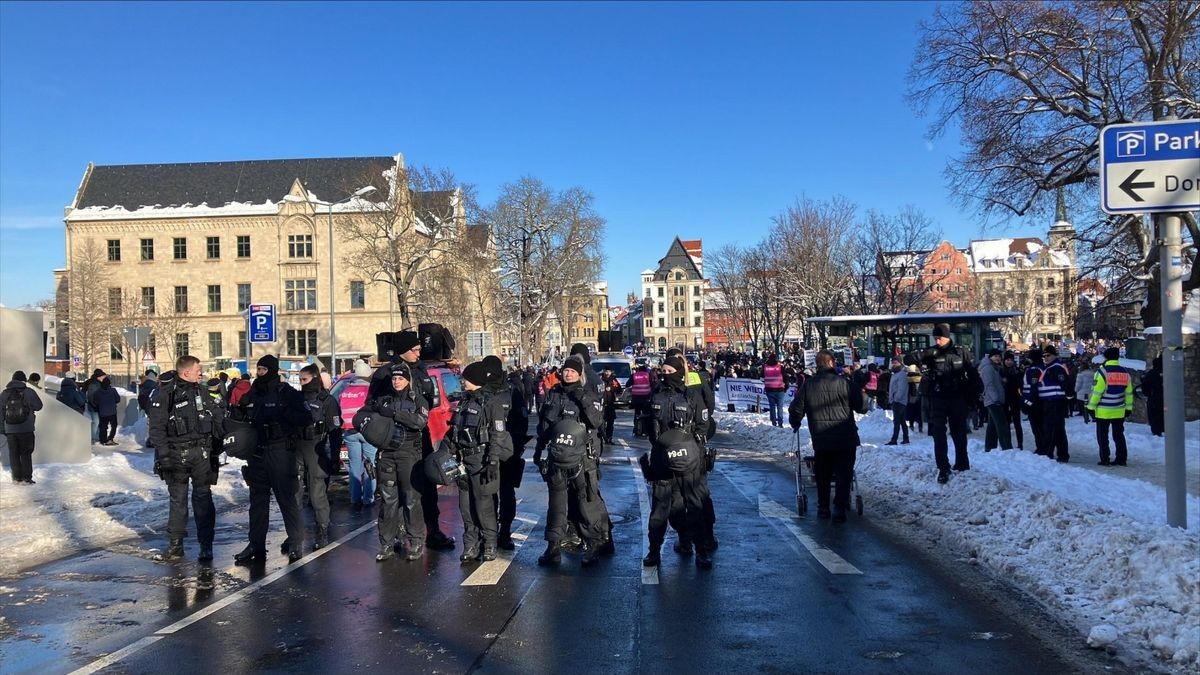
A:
771, 604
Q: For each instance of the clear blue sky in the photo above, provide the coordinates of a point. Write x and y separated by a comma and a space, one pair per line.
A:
702, 120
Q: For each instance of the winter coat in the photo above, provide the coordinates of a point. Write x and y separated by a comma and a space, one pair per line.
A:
90, 387
829, 401
237, 391
993, 383
104, 399
1083, 384
70, 396
898, 389
32, 400
146, 392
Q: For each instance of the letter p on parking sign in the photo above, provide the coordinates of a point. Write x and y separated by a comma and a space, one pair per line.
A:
260, 323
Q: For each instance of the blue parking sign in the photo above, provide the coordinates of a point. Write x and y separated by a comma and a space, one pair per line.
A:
260, 323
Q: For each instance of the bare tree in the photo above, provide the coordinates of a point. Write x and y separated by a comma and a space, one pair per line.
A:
888, 260
813, 240
1030, 84
87, 306
727, 273
547, 248
409, 231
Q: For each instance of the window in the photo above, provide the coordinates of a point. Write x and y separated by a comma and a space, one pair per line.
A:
679, 307
243, 297
147, 249
1053, 317
212, 246
695, 290
182, 344
148, 299
179, 248
241, 344
662, 323
214, 345
114, 348
696, 322
987, 285
696, 306
1041, 318
302, 342
679, 276
300, 245
358, 295
181, 301
574, 332
214, 298
1001, 283
660, 291
945, 256
1050, 284
114, 250
661, 308
300, 294
1021, 284
1038, 283
649, 323
114, 301
243, 246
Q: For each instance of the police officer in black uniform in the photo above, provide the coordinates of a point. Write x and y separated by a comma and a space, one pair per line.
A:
325, 415
183, 422
950, 381
567, 457
278, 414
510, 393
675, 465
398, 467
479, 438
408, 351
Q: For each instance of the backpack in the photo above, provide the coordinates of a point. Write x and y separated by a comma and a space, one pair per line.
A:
678, 451
568, 444
16, 410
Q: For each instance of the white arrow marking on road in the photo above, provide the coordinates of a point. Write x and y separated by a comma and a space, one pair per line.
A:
830, 560
490, 572
649, 574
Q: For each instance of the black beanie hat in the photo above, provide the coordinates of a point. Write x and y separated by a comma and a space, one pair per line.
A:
494, 367
402, 370
18, 376
1112, 353
581, 350
575, 363
406, 340
97, 373
674, 351
676, 362
1050, 349
941, 330
476, 374
270, 362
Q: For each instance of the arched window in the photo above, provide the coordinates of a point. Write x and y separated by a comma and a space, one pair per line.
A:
662, 343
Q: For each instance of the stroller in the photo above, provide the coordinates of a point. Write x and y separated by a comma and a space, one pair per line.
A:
803, 481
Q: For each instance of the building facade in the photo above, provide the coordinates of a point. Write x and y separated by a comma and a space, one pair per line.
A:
185, 249
586, 316
673, 298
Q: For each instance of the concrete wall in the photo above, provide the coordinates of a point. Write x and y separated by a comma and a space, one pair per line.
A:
61, 434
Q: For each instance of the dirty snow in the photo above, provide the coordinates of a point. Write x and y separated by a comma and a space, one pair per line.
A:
1089, 543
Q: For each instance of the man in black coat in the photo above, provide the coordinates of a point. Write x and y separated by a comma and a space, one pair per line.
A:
951, 382
20, 403
830, 401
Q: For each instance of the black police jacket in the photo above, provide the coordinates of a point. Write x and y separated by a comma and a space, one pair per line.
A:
409, 410
325, 414
562, 397
949, 372
680, 408
478, 430
182, 413
829, 401
276, 410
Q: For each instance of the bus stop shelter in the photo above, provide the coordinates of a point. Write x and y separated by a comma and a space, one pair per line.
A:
971, 329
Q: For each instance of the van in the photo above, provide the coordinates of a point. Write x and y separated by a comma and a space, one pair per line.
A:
622, 369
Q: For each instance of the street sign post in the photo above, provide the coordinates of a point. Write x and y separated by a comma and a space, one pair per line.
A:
260, 323
1150, 167
479, 343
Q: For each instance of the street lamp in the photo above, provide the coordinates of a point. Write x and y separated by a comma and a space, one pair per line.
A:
333, 363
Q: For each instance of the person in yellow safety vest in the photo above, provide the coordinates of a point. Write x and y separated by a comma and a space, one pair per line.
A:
1111, 401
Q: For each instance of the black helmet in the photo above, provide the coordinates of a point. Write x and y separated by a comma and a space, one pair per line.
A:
240, 439
376, 429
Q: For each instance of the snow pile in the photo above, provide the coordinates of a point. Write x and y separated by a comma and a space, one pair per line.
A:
76, 507
1090, 543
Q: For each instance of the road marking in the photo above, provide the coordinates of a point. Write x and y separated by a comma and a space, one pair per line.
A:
141, 644
490, 572
830, 560
649, 574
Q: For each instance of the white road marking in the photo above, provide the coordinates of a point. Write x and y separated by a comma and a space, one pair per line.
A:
830, 560
490, 572
141, 644
649, 574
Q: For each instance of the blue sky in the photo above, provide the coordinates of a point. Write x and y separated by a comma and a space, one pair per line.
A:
702, 120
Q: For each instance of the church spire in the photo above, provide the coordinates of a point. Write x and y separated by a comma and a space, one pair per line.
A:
1060, 209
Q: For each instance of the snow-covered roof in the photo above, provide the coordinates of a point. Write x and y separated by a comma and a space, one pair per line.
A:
1002, 255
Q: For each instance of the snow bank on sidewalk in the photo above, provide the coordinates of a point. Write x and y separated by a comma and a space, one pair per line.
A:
1091, 544
115, 496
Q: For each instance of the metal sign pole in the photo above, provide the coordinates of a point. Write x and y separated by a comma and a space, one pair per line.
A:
1171, 277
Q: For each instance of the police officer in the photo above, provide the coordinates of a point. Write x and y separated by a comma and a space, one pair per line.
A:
641, 386
1111, 401
398, 467
183, 421
511, 396
325, 415
565, 455
1030, 402
675, 464
950, 381
1052, 398
408, 351
611, 389
278, 413
699, 385
479, 437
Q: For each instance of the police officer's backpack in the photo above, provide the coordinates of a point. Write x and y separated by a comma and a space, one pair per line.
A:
241, 440
568, 444
677, 450
469, 426
375, 428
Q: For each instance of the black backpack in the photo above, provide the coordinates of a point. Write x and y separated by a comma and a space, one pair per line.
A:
568, 444
16, 410
678, 451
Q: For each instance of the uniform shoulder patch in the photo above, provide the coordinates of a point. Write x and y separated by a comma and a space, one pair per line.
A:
498, 425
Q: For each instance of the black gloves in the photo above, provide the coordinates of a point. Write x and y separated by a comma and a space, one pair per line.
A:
490, 474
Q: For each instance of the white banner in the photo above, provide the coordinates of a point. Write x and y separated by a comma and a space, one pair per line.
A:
743, 392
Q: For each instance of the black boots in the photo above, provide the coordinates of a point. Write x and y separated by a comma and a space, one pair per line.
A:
653, 558
322, 537
943, 476
249, 554
206, 553
470, 554
682, 547
489, 552
175, 550
504, 539
591, 556
438, 541
552, 556
703, 559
